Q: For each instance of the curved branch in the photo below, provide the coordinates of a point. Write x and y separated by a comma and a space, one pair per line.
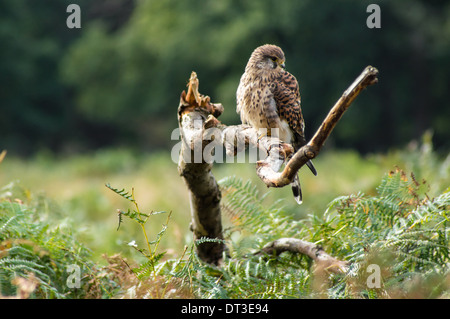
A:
315, 252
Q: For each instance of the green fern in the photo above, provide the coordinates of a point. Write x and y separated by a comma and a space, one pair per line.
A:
250, 214
30, 244
127, 195
152, 266
203, 240
401, 229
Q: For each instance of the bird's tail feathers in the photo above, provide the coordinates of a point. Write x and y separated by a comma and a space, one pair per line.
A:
311, 167
297, 190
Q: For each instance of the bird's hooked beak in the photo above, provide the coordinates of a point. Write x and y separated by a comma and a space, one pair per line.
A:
282, 65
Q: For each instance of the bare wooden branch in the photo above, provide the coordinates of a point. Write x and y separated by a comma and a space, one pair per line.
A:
315, 252
273, 178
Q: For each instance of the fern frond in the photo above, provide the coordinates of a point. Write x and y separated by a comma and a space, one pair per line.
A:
5, 225
127, 195
120, 219
203, 240
134, 215
159, 235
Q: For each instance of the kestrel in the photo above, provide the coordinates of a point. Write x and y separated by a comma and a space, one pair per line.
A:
268, 97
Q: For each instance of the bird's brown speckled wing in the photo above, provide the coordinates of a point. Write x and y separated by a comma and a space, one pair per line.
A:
287, 98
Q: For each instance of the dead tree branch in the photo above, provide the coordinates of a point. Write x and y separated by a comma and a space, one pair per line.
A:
315, 252
204, 193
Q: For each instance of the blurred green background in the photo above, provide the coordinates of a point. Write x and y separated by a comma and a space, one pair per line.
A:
116, 81
83, 107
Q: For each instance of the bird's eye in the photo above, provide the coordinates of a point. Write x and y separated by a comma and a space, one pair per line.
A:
274, 59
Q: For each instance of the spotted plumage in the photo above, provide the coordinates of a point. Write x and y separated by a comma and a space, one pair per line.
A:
268, 97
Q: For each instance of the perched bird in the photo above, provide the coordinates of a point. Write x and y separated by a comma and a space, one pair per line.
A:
268, 97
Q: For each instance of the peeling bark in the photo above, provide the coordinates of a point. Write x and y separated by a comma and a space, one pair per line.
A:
204, 193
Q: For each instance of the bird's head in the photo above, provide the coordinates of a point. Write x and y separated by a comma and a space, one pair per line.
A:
267, 57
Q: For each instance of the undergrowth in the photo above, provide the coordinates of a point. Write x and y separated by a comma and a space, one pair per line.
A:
39, 259
400, 231
395, 241
148, 281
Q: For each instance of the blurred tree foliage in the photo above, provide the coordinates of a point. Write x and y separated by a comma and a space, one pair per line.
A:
36, 107
117, 80
32, 108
